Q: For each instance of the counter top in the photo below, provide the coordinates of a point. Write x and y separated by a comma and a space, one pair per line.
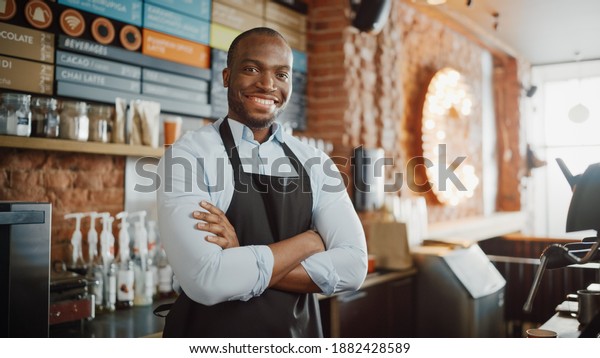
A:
377, 278
465, 232
564, 325
140, 321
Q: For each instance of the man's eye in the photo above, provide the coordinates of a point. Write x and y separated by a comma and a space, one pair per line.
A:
251, 69
283, 76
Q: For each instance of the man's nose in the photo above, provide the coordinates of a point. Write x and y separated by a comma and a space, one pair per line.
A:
266, 83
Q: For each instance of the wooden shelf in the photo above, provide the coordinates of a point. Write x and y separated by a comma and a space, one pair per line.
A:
65, 145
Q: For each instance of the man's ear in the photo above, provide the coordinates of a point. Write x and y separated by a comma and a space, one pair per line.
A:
226, 77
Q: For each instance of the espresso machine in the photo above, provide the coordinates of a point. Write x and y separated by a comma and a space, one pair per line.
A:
583, 214
24, 269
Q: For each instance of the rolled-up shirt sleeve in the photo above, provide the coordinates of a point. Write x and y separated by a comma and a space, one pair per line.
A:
207, 273
343, 266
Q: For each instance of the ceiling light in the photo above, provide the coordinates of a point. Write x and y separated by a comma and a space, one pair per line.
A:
579, 113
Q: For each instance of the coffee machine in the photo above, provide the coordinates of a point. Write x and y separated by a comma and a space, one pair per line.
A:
24, 269
583, 214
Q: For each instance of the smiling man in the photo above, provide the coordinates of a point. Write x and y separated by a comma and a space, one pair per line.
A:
258, 78
255, 222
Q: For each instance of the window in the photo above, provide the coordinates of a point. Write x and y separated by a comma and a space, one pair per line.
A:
553, 134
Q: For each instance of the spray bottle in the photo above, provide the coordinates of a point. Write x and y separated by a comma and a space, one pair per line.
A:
152, 254
95, 270
107, 240
77, 264
125, 273
165, 274
143, 282
92, 238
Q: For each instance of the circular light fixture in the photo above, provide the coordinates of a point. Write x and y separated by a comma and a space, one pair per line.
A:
579, 113
444, 128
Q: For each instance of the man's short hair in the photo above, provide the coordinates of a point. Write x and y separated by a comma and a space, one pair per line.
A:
255, 31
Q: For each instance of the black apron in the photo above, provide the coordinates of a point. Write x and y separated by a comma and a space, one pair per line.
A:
263, 210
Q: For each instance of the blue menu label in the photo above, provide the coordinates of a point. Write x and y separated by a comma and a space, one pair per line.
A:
172, 23
195, 8
129, 11
299, 60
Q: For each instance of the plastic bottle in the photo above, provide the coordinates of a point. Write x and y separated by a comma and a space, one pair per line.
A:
143, 282
92, 237
125, 274
108, 268
106, 237
152, 254
165, 275
152, 238
76, 264
94, 274
110, 299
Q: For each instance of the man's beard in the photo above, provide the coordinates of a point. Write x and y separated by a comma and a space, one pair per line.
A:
248, 120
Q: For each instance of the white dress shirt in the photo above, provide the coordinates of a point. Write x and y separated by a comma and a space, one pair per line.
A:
197, 168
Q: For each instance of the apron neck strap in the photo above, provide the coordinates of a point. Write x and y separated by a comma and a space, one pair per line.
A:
234, 157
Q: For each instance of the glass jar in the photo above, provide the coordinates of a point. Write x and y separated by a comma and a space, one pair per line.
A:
15, 114
100, 122
44, 117
74, 121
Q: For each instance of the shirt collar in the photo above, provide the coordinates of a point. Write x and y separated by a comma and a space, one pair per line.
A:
241, 131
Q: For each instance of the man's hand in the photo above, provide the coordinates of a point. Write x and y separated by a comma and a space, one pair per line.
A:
216, 223
289, 253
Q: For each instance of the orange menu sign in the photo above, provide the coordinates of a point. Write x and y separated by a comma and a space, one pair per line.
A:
175, 49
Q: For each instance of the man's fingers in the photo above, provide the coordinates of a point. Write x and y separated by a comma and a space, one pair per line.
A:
220, 241
210, 227
211, 208
208, 217
219, 215
216, 222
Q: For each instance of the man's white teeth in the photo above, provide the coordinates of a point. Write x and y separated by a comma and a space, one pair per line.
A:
263, 101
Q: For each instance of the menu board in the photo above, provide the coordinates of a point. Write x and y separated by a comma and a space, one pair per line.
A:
176, 24
27, 66
294, 114
26, 43
169, 51
129, 11
26, 76
218, 93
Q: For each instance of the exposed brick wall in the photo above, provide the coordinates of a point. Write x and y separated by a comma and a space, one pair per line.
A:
428, 47
510, 159
71, 182
367, 89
